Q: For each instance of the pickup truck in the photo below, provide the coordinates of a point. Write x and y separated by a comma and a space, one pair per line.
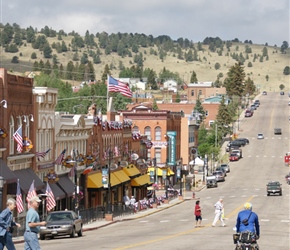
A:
274, 187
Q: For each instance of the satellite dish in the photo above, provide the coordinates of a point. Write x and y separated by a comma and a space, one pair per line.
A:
113, 166
124, 164
134, 156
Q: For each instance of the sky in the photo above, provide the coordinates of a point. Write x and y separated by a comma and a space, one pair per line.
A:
261, 21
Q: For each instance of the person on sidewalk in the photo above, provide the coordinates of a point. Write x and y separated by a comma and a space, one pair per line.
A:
197, 213
6, 225
219, 206
32, 225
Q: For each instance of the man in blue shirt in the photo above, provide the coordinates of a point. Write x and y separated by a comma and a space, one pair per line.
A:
252, 224
32, 225
6, 224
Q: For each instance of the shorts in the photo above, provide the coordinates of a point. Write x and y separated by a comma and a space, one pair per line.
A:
198, 217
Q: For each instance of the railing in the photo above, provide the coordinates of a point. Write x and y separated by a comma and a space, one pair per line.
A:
90, 215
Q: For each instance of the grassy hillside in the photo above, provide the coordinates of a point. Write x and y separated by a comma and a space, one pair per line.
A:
205, 68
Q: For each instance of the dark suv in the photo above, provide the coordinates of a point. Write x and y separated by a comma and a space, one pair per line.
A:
244, 140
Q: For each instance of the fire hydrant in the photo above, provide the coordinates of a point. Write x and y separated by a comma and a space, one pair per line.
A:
193, 195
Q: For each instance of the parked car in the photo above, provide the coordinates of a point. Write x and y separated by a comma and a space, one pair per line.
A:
257, 103
226, 167
260, 136
246, 140
211, 181
274, 187
277, 131
61, 223
234, 157
249, 113
219, 175
282, 93
253, 107
221, 169
264, 92
239, 152
289, 103
231, 147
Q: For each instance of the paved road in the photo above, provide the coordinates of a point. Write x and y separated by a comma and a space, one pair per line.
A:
173, 228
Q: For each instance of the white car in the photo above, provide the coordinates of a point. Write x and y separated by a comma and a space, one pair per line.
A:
260, 136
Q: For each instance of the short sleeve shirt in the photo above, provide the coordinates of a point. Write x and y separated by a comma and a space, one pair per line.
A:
32, 216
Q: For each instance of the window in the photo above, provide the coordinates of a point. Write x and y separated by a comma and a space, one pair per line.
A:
158, 134
191, 134
192, 92
158, 155
206, 113
200, 92
147, 131
135, 129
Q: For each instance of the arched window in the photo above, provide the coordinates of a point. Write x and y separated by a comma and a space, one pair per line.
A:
147, 131
158, 134
11, 132
192, 92
135, 129
200, 92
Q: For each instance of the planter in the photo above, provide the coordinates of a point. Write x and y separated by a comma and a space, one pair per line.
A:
154, 205
166, 201
180, 197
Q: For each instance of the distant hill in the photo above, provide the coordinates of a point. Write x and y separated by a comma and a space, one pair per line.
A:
263, 64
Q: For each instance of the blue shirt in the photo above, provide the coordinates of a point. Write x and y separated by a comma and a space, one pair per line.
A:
32, 216
5, 221
253, 221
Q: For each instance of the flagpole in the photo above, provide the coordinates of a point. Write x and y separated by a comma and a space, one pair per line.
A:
108, 79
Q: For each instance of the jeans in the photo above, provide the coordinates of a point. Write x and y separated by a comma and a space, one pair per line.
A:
6, 240
31, 241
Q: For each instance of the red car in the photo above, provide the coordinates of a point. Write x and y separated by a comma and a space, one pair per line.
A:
249, 113
234, 157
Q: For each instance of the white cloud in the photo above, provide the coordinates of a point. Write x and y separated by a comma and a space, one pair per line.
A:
257, 20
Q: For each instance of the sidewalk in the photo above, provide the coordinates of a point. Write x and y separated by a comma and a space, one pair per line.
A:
187, 195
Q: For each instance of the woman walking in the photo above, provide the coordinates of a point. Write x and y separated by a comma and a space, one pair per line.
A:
197, 213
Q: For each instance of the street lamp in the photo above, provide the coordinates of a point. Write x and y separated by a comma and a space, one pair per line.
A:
43, 198
1, 191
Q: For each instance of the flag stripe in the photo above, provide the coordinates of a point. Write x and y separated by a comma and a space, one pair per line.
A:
18, 138
41, 154
115, 85
60, 158
31, 193
19, 201
50, 200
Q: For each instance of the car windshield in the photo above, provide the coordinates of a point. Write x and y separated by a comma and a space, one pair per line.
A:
59, 216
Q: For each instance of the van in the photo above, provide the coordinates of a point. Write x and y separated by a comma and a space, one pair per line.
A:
277, 131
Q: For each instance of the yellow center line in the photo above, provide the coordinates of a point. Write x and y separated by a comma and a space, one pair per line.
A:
181, 233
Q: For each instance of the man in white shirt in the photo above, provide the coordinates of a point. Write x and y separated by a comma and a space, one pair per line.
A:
219, 207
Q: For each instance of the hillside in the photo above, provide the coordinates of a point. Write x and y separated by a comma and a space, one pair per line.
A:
204, 68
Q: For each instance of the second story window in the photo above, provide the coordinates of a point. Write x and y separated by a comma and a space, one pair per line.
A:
158, 134
147, 131
192, 92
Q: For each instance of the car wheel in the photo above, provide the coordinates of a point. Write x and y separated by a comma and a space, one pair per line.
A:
280, 194
80, 233
72, 235
42, 236
268, 194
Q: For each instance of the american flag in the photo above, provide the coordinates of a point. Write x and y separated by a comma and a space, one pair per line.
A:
31, 193
60, 158
41, 154
50, 201
19, 202
18, 138
115, 85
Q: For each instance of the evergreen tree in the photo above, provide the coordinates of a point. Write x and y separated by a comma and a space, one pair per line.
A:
47, 51
234, 83
106, 73
199, 111
47, 68
155, 106
193, 77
